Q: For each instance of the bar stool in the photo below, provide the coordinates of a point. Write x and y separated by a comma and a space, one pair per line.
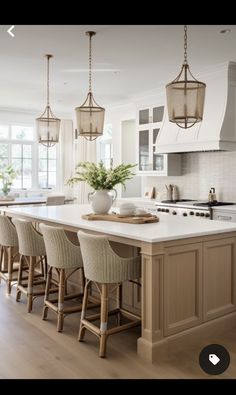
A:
9, 250
103, 266
63, 256
31, 246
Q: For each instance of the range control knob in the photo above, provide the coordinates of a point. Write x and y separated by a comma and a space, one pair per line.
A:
159, 209
202, 214
185, 214
207, 215
191, 213
163, 210
197, 214
167, 210
174, 212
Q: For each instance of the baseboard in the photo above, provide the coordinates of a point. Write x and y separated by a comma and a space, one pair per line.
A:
196, 336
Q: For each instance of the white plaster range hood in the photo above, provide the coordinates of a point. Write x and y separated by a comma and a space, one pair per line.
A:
217, 131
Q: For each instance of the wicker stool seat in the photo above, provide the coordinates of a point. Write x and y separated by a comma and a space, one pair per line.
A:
65, 258
102, 266
8, 252
32, 252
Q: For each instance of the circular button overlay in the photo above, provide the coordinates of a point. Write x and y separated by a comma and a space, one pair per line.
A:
214, 359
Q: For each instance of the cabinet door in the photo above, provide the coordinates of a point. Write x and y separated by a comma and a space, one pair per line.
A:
182, 287
144, 116
158, 162
157, 114
131, 297
219, 273
144, 157
150, 115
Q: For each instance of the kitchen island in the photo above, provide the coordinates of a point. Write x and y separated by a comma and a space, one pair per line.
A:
188, 272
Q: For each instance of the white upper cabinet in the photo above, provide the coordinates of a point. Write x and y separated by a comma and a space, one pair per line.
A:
149, 123
218, 127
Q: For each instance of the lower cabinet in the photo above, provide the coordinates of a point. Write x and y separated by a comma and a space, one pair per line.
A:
131, 297
219, 278
199, 283
182, 287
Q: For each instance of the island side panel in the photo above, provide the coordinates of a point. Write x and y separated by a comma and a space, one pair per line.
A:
152, 298
219, 277
182, 287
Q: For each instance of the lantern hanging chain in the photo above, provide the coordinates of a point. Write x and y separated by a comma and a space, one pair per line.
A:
48, 57
185, 45
90, 63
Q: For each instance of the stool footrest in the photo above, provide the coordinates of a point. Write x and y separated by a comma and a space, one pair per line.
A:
87, 322
66, 310
67, 297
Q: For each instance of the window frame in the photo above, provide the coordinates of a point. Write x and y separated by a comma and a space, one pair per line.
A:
34, 153
101, 142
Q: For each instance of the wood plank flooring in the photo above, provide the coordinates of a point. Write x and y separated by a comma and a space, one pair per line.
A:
31, 348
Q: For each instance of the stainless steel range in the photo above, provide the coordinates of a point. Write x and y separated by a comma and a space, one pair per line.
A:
188, 208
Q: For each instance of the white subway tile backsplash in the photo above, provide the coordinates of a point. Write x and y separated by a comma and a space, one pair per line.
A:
200, 172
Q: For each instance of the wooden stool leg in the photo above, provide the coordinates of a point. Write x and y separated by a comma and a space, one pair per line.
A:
83, 312
5, 259
19, 280
46, 297
66, 288
46, 266
32, 261
42, 266
104, 320
10, 269
60, 317
1, 261
82, 278
119, 303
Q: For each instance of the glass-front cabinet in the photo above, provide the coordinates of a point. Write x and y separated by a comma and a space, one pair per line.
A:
149, 123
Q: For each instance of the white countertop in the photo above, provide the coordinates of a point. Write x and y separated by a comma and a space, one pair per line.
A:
168, 228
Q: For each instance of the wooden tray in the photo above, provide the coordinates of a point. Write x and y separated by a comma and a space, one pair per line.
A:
135, 219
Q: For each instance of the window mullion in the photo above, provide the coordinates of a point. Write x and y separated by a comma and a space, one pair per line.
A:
22, 170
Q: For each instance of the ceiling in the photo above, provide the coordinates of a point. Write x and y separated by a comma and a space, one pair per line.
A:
128, 60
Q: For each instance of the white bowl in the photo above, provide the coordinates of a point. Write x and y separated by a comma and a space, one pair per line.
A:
127, 209
140, 211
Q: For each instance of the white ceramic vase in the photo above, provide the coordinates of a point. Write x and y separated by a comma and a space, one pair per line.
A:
102, 200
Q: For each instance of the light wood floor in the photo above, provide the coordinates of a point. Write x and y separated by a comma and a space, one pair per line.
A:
32, 348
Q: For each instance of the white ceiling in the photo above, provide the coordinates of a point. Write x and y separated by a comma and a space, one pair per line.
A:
128, 60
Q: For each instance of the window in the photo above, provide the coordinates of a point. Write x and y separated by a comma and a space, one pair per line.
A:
105, 147
21, 159
36, 164
47, 167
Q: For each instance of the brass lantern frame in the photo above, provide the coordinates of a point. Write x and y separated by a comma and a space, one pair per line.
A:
188, 89
47, 118
90, 116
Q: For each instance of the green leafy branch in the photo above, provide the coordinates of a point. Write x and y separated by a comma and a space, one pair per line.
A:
7, 176
98, 177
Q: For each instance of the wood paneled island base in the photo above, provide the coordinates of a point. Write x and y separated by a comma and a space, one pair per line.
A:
188, 293
188, 274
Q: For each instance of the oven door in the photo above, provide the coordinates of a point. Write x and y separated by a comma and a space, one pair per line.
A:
221, 215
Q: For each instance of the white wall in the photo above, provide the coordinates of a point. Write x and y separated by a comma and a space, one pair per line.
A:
12, 116
128, 155
7, 116
115, 116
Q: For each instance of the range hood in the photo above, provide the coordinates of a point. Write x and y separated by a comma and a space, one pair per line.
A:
217, 131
